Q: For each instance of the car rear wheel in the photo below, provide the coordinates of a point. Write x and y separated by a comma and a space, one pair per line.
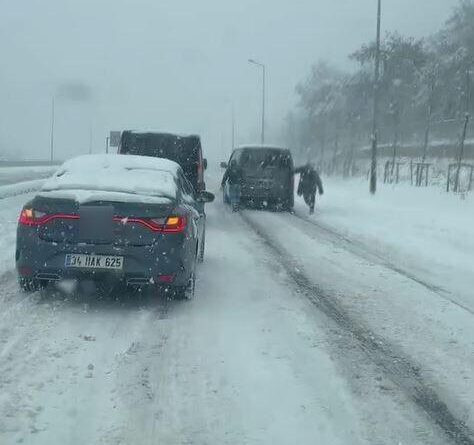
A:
186, 292
31, 284
289, 204
202, 247
225, 198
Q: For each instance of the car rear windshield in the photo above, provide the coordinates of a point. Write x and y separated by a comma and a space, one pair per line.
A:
181, 149
263, 158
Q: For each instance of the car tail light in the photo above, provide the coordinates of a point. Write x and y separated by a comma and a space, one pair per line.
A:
25, 271
175, 224
172, 224
165, 279
31, 217
200, 171
27, 217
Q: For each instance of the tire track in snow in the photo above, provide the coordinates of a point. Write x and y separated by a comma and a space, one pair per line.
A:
361, 250
394, 365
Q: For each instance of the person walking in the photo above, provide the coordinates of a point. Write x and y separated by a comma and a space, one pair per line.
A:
233, 176
310, 183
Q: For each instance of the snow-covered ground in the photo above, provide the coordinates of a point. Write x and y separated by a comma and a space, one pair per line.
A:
424, 231
11, 175
296, 335
16, 181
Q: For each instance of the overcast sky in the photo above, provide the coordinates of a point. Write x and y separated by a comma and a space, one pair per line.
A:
173, 64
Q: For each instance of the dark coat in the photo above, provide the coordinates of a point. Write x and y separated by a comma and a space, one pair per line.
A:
310, 181
233, 175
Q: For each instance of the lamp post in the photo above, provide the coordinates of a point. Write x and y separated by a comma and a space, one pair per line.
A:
233, 127
51, 142
261, 65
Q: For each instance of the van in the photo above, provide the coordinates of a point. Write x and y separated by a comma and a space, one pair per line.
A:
267, 176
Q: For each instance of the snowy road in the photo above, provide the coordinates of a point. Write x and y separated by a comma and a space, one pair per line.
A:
293, 338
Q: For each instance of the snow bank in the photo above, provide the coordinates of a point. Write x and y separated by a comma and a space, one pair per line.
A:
96, 176
426, 230
12, 175
7, 191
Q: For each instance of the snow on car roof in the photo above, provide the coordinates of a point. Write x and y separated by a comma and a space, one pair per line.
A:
119, 174
168, 132
260, 146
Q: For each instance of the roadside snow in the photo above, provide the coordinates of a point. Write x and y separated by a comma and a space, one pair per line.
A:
435, 334
20, 188
423, 230
12, 175
9, 212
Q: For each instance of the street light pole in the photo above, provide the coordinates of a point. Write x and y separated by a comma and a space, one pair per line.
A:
51, 142
261, 65
233, 127
373, 165
90, 139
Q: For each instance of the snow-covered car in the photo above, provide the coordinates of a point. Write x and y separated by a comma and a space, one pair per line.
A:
132, 219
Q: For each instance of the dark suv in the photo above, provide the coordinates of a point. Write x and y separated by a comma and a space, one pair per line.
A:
185, 150
268, 177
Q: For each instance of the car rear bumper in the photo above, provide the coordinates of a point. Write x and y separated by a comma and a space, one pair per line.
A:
142, 264
262, 193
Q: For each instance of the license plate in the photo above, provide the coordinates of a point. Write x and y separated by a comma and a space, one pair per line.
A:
83, 261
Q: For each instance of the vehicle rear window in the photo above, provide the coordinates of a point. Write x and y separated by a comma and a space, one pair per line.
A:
185, 150
180, 149
264, 158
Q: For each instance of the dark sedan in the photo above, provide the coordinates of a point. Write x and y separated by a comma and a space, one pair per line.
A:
129, 219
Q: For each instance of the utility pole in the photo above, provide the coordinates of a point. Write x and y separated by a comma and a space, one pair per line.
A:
429, 118
263, 104
51, 142
233, 127
464, 130
90, 139
373, 165
261, 65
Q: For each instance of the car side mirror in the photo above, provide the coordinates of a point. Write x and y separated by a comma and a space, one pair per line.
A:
204, 163
205, 197
224, 165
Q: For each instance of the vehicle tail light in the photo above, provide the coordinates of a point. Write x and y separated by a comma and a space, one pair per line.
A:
25, 271
175, 224
27, 217
165, 279
200, 171
172, 224
31, 217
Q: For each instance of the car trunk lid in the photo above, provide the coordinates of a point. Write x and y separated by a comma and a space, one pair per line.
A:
103, 223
